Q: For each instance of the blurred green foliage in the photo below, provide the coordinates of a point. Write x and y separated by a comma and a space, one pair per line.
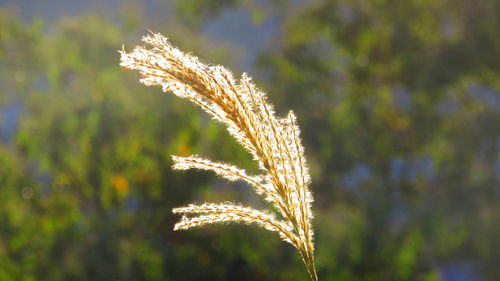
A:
400, 110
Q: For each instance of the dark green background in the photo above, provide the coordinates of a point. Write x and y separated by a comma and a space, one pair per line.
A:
398, 101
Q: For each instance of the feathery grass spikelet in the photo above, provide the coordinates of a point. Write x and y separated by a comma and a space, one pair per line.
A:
273, 142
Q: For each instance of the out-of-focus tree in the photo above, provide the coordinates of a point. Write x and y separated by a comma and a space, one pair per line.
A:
400, 107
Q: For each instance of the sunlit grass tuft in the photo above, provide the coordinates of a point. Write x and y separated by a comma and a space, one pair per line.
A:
272, 141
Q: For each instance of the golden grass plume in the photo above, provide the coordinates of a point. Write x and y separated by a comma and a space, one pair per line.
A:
272, 141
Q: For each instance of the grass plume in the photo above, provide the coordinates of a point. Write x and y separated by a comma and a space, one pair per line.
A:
272, 141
